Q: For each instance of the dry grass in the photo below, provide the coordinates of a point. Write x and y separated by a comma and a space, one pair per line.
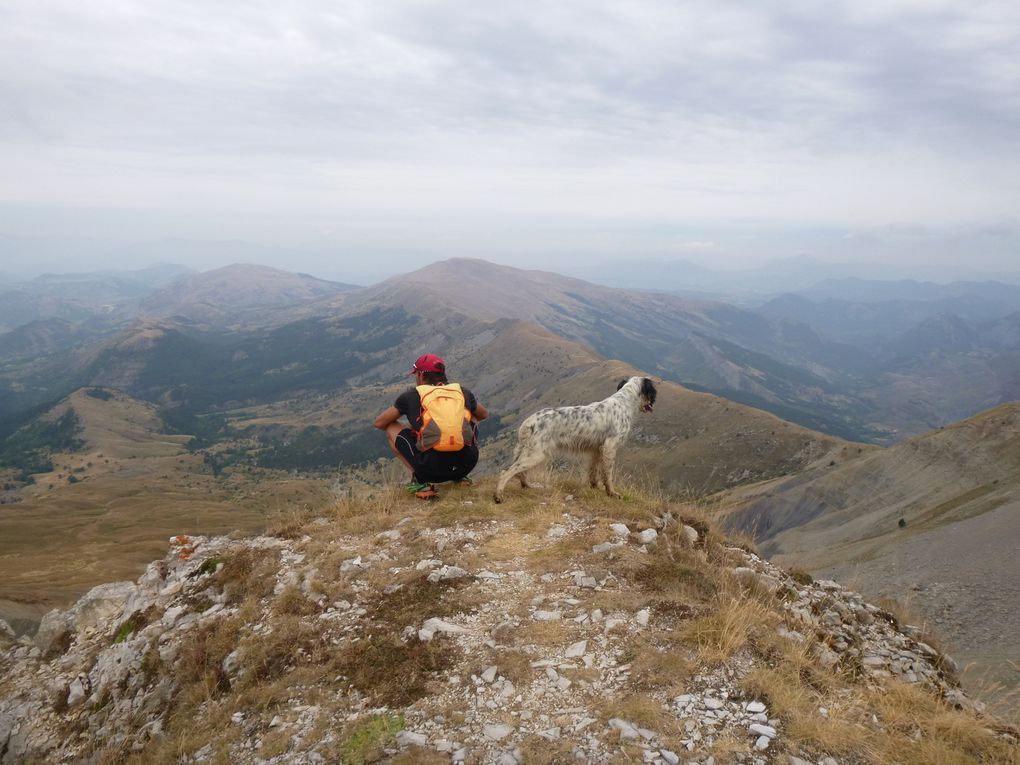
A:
720, 635
248, 573
391, 672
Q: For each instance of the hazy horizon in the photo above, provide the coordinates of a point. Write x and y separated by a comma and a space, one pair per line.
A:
359, 140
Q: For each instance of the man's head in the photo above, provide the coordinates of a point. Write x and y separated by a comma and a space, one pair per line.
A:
429, 370
430, 362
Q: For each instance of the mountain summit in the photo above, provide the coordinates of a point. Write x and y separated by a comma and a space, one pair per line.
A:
564, 628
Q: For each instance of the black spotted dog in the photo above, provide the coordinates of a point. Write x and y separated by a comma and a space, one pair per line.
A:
597, 429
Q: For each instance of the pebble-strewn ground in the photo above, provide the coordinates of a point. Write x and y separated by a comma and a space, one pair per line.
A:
537, 650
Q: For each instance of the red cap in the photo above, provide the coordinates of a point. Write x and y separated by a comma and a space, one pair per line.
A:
430, 362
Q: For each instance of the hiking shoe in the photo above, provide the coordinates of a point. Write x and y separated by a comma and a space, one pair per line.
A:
422, 490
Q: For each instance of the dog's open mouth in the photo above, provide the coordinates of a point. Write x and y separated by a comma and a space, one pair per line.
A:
646, 408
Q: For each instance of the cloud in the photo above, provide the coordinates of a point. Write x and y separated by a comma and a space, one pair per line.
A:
851, 113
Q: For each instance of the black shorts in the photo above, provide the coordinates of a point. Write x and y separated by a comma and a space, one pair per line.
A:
435, 467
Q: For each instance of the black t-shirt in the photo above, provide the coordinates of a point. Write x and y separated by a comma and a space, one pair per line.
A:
408, 404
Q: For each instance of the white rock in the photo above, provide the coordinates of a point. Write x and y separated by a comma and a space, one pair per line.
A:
620, 529
489, 674
547, 616
77, 691
647, 536
670, 757
497, 732
642, 617
603, 548
712, 703
762, 730
798, 761
172, 615
762, 743
627, 730
411, 738
428, 563
432, 626
460, 755
612, 624
552, 734
563, 684
690, 534
577, 649
352, 564
755, 707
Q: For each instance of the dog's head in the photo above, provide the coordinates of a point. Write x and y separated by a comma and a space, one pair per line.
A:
646, 393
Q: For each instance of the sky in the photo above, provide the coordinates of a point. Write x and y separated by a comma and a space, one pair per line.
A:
357, 139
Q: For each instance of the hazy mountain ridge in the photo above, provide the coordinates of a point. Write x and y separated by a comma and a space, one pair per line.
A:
784, 366
957, 491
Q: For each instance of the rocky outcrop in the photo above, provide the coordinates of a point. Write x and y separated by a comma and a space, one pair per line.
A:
528, 656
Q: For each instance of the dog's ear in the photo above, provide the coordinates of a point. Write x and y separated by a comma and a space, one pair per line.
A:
622, 383
648, 390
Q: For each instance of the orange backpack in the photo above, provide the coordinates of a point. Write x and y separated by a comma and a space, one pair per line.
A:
445, 422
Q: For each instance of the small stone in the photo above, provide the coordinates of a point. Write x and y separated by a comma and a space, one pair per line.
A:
547, 616
552, 734
603, 548
577, 649
642, 617
798, 761
690, 534
411, 738
619, 529
627, 730
497, 732
712, 703
755, 707
670, 757
563, 684
762, 743
460, 755
489, 674
647, 536
762, 730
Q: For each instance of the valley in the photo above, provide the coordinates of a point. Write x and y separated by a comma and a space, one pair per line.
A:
220, 402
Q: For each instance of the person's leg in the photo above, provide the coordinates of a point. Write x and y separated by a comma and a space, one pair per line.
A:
399, 438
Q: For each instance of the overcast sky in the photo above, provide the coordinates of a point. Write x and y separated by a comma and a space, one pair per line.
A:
357, 139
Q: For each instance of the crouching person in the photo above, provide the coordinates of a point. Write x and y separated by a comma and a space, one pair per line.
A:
439, 443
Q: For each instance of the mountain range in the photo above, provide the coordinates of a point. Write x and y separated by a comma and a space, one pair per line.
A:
230, 377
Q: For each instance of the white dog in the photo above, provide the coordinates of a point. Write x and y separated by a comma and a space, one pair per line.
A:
597, 429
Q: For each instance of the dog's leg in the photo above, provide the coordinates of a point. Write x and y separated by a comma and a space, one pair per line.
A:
595, 469
527, 459
608, 463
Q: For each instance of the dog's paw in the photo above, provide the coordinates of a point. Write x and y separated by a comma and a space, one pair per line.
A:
614, 494
497, 499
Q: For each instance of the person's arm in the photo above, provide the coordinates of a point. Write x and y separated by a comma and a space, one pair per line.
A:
480, 412
387, 417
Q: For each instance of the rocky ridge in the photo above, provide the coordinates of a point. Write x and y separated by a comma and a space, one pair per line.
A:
534, 636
